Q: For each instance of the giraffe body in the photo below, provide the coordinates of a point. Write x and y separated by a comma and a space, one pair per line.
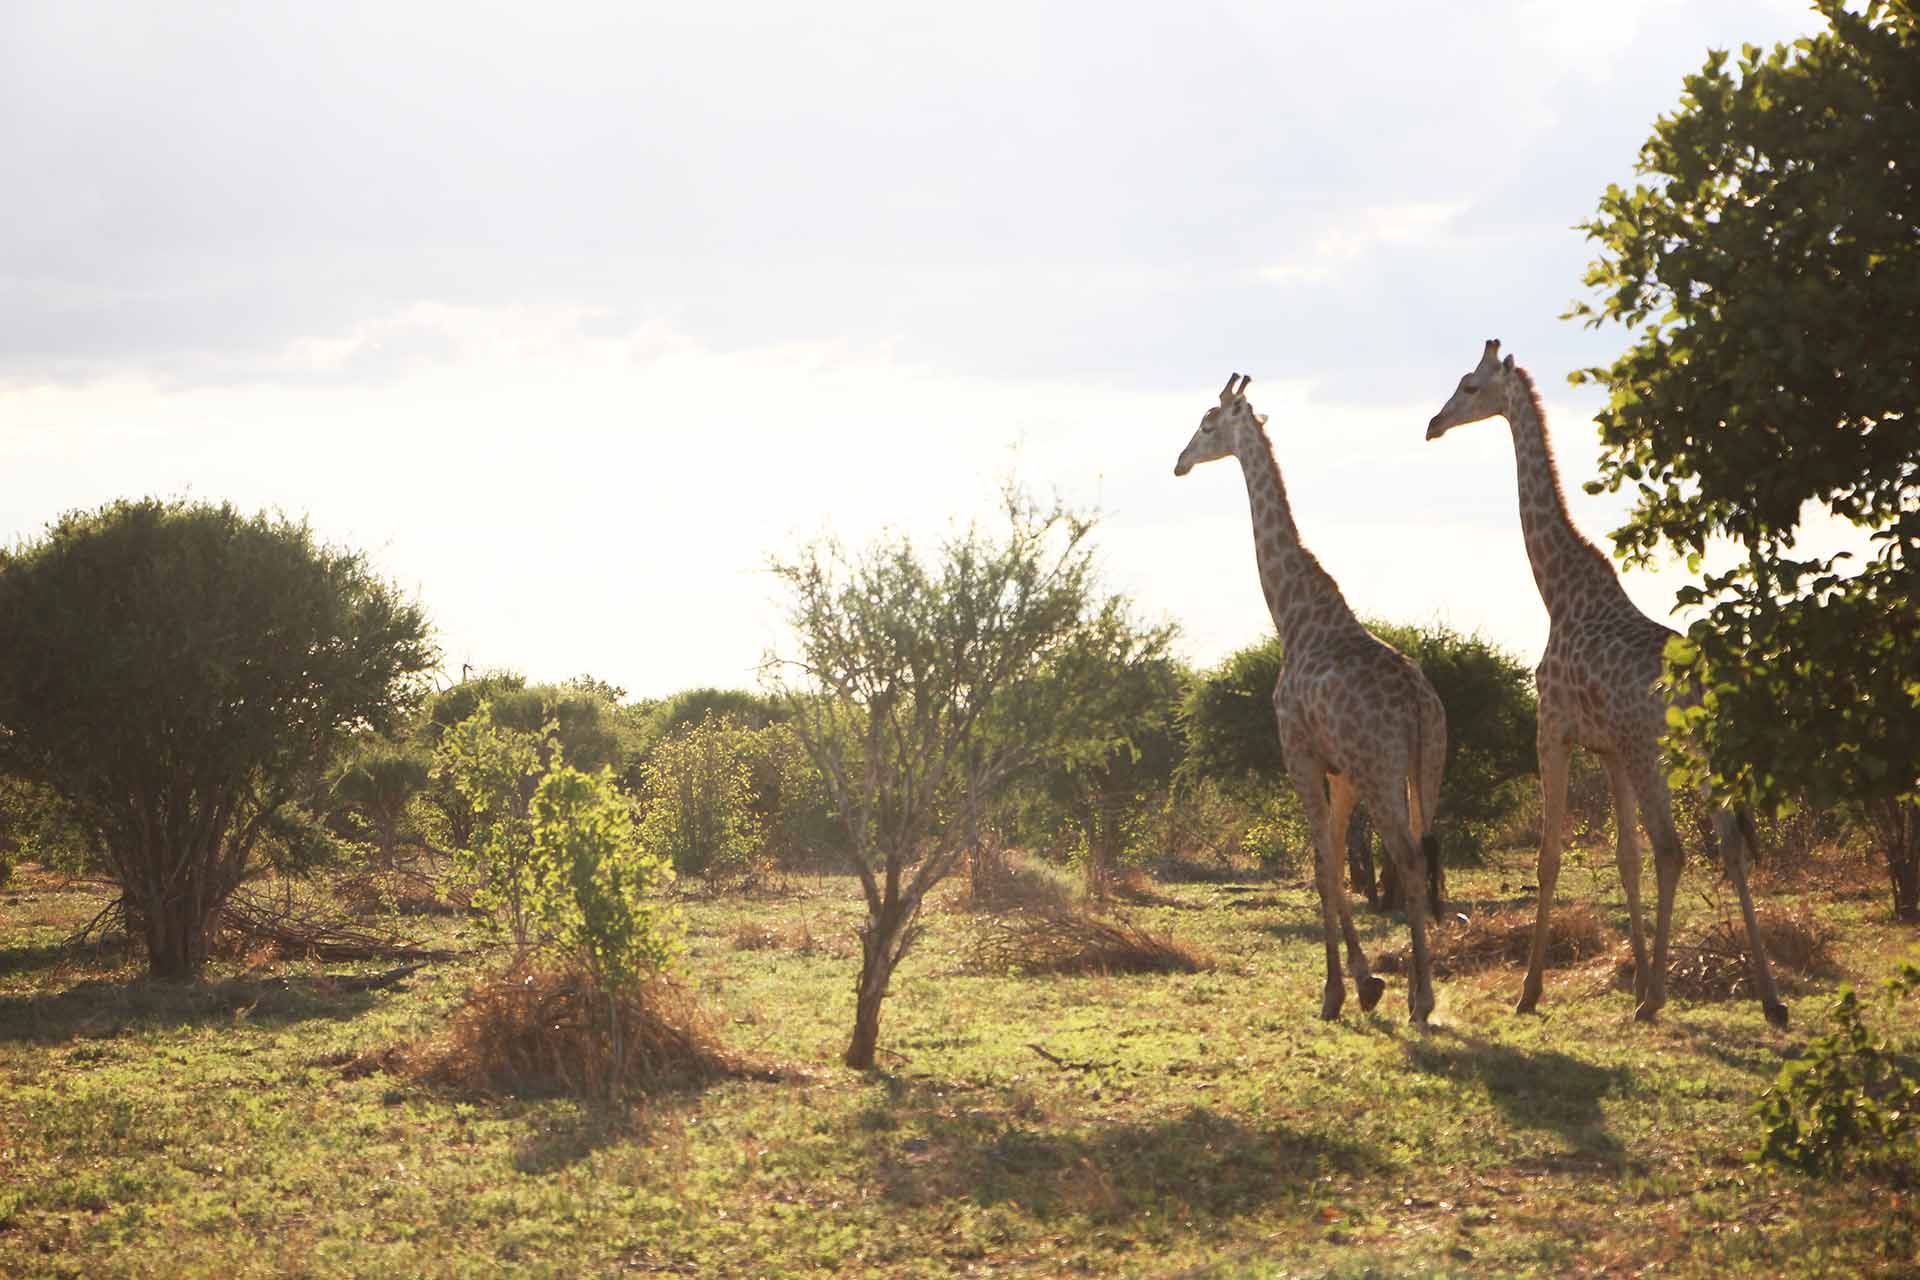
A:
1358, 722
1601, 687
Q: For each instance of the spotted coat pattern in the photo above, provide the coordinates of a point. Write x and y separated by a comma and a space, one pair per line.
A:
1358, 720
1601, 687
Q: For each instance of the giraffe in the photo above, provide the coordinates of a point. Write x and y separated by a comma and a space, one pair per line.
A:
1600, 685
1358, 721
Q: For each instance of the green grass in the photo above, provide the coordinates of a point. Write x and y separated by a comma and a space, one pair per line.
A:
1211, 1125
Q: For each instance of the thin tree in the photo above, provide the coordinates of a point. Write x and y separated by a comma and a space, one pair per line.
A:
904, 675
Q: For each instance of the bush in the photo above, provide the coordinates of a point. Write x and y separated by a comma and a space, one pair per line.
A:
179, 674
494, 770
697, 789
1852, 1101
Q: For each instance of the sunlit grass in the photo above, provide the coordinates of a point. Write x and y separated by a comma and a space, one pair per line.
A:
1105, 1125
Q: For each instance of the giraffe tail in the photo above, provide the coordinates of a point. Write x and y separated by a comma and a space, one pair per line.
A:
1436, 874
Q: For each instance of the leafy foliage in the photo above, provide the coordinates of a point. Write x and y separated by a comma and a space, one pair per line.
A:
36, 825
596, 891
179, 674
1770, 269
375, 786
1104, 789
1228, 719
1852, 1100
494, 771
920, 688
1491, 709
697, 788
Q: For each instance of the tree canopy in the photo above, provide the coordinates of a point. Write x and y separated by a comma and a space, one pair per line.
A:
1768, 268
921, 685
179, 674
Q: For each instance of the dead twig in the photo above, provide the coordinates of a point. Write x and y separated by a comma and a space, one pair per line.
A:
1058, 1061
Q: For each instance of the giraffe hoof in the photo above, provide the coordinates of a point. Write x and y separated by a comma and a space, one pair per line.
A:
1776, 1013
1330, 1004
1371, 989
1646, 1011
1527, 1000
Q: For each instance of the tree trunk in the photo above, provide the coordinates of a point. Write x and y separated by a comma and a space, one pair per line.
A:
1102, 825
1904, 869
879, 952
176, 940
1899, 824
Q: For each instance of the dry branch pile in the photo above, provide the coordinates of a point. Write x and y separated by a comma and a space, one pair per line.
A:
301, 930
1497, 939
1714, 965
1059, 938
545, 1032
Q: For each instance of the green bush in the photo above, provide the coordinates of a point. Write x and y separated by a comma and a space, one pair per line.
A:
494, 770
697, 788
596, 891
1852, 1100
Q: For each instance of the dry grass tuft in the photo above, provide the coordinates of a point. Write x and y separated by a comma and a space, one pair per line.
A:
751, 935
1006, 881
1065, 939
1140, 888
1497, 939
1713, 964
536, 1031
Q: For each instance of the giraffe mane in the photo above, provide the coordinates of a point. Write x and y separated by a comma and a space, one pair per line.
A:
1553, 470
1280, 484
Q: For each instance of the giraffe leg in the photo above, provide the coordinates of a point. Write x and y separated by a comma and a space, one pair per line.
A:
1310, 781
1656, 811
1554, 753
1423, 796
1626, 818
1339, 815
1386, 800
1734, 850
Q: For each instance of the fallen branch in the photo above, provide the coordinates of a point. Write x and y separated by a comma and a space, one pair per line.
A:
1063, 1062
306, 934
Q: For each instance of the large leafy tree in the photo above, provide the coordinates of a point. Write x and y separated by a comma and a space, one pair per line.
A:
1768, 268
179, 674
907, 677
1228, 718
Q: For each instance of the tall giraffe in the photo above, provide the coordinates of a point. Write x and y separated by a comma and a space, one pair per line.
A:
1600, 688
1358, 721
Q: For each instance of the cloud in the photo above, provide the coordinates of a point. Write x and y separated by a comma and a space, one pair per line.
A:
1339, 245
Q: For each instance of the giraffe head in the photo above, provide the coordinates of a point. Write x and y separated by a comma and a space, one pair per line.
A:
1482, 393
1221, 428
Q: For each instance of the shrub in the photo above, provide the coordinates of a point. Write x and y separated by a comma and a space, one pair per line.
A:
1853, 1099
698, 793
494, 771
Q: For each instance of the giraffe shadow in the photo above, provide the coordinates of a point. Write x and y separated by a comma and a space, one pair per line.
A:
1199, 1164
1533, 1088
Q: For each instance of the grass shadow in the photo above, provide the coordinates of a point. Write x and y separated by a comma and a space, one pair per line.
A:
1533, 1088
99, 1009
1200, 1165
51, 959
558, 1141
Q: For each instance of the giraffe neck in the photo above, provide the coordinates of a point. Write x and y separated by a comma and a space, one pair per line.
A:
1570, 571
1304, 600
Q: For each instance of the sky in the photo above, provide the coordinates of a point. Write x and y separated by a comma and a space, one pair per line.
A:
572, 316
